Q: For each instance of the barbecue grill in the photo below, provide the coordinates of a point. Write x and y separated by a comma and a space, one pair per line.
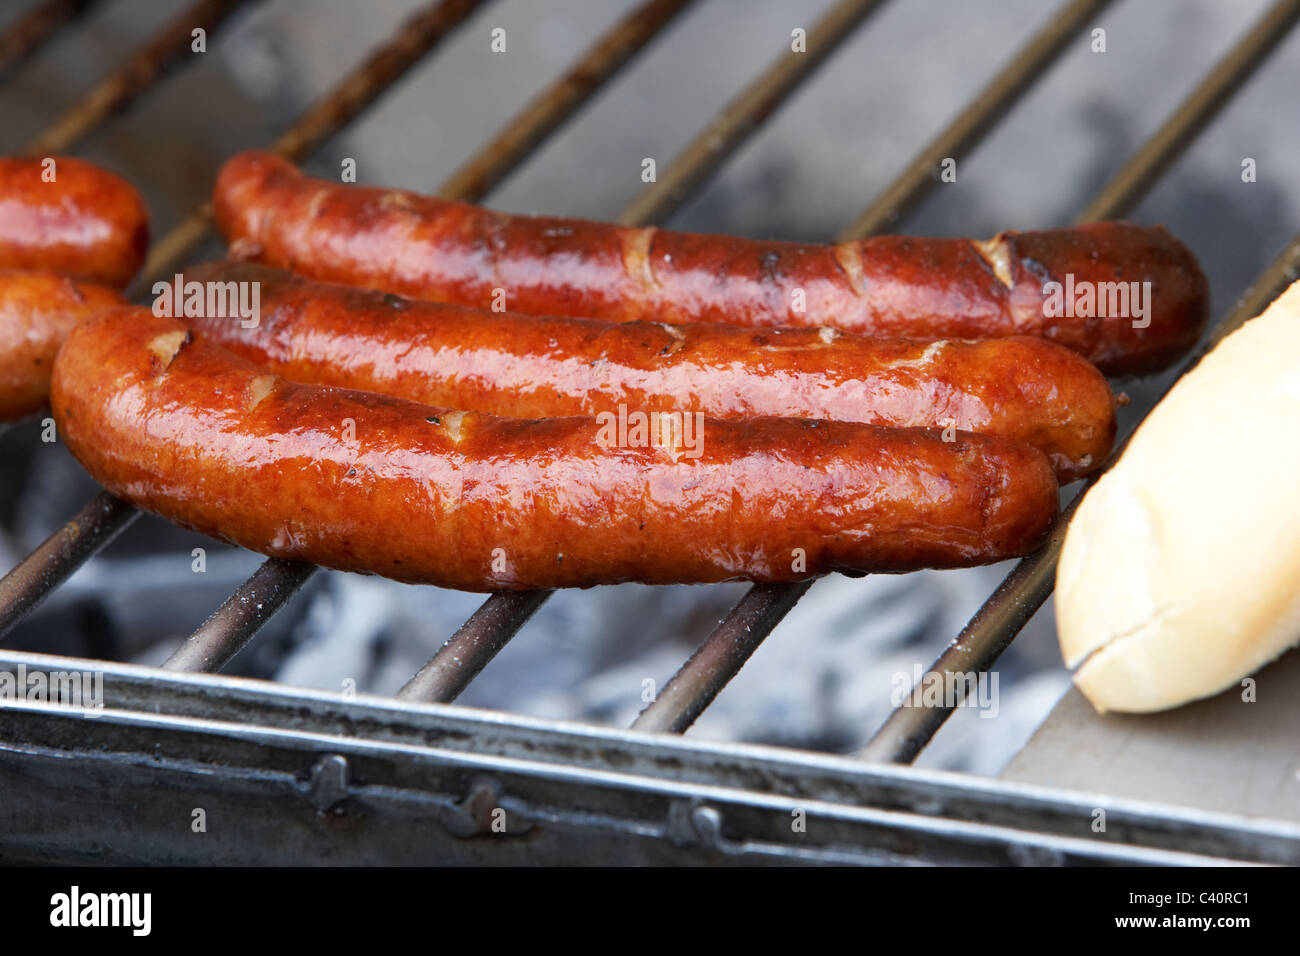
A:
303, 775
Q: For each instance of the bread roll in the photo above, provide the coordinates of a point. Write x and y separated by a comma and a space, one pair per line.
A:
1180, 573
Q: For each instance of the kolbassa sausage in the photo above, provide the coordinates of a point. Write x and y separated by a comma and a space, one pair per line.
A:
71, 217
1129, 298
531, 366
37, 311
366, 482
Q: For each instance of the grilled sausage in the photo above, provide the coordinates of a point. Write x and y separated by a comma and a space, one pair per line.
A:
890, 285
533, 367
365, 482
37, 311
86, 222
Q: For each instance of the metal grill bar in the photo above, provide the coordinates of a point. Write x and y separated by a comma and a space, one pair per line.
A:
138, 73
224, 634
720, 658
552, 108
416, 38
975, 121
1140, 173
764, 606
31, 31
30, 583
996, 624
473, 646
412, 42
744, 115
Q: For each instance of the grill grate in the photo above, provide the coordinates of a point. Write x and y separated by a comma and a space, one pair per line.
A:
134, 77
473, 645
743, 115
223, 635
725, 651
1013, 603
30, 32
995, 626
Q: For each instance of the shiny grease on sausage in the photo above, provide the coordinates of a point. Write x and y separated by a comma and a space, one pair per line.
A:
918, 287
365, 482
539, 366
84, 221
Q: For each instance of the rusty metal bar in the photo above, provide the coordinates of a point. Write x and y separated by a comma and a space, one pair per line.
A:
995, 625
134, 77
35, 28
745, 114
416, 38
473, 645
32, 580
558, 102
1140, 173
720, 658
231, 626
979, 117
767, 605
413, 41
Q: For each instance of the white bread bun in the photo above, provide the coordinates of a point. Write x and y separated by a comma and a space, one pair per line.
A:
1180, 573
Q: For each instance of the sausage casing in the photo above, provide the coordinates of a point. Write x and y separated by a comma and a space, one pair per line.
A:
525, 366
84, 222
918, 287
37, 311
365, 482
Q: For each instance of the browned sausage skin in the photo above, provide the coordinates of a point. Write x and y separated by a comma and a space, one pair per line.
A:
525, 366
70, 217
929, 288
365, 482
37, 311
